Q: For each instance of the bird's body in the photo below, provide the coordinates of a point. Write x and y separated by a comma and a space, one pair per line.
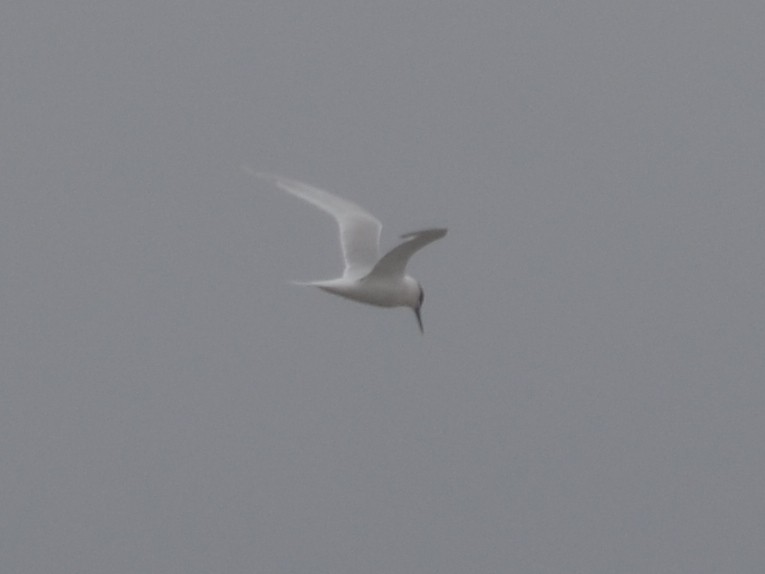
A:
368, 278
404, 292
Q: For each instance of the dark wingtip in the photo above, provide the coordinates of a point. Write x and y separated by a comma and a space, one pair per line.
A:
439, 231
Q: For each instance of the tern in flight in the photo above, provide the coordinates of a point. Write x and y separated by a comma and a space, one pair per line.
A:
368, 277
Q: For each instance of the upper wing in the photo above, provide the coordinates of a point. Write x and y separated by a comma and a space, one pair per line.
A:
393, 263
359, 229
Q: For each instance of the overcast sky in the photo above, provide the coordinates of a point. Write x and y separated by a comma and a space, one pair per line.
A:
589, 394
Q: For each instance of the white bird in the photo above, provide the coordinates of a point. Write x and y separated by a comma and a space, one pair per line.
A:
368, 278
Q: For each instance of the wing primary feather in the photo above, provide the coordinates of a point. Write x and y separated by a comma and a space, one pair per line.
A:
359, 229
395, 261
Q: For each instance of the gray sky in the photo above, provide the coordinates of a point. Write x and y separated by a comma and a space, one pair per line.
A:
588, 396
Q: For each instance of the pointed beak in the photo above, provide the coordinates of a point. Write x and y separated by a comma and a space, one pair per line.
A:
419, 319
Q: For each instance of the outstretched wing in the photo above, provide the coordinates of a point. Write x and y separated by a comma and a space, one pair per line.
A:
359, 229
393, 263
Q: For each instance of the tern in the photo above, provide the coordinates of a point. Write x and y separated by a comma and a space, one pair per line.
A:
368, 278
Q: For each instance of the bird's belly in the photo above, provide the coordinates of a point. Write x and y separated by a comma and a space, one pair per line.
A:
377, 294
